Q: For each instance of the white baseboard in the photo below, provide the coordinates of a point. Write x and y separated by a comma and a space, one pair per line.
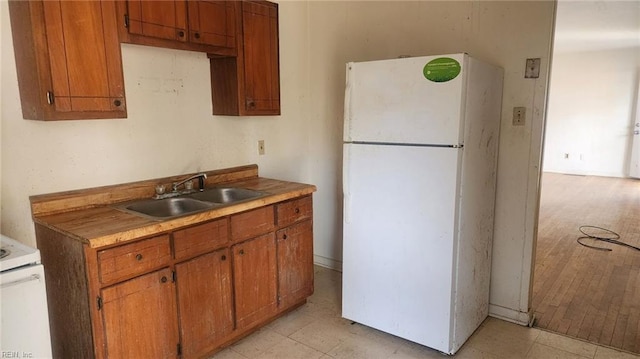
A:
327, 263
510, 315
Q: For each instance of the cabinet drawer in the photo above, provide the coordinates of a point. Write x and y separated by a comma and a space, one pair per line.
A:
133, 259
200, 239
294, 211
252, 223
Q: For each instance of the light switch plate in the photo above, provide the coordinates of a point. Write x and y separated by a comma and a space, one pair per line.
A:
533, 69
261, 147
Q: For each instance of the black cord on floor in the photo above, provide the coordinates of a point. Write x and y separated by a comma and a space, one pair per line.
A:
612, 238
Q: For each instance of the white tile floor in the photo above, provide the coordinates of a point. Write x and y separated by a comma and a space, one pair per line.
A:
316, 330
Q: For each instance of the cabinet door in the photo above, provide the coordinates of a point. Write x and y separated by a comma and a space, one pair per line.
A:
68, 59
85, 68
212, 23
140, 317
254, 269
205, 302
161, 19
261, 63
295, 263
249, 84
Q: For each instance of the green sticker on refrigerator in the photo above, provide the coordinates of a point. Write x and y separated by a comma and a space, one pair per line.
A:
442, 69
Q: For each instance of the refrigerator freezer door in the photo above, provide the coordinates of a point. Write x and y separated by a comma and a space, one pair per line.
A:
399, 229
392, 101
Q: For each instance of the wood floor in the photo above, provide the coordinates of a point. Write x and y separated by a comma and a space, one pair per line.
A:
581, 292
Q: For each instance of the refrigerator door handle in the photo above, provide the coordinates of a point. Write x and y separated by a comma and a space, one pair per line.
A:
347, 106
347, 208
346, 193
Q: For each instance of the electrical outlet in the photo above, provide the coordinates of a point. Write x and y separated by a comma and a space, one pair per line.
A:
566, 156
261, 147
519, 115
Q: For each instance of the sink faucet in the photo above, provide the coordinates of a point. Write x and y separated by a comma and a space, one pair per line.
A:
200, 176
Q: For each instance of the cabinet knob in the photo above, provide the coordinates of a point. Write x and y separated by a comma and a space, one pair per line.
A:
197, 35
224, 258
251, 104
241, 252
139, 256
181, 33
163, 279
297, 210
284, 236
117, 103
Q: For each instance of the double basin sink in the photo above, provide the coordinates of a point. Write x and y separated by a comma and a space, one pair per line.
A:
168, 208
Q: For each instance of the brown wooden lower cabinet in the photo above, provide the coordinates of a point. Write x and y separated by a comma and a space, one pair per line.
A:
140, 317
205, 302
183, 294
295, 262
254, 269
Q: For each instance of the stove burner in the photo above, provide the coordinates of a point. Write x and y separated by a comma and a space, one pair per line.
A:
4, 253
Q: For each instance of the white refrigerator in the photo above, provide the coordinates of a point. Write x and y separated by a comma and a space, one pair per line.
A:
419, 176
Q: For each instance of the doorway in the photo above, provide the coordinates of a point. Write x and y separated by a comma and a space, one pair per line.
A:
588, 293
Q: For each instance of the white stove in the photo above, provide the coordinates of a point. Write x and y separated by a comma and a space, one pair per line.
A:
14, 254
24, 320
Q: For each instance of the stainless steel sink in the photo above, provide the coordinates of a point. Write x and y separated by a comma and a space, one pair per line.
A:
166, 208
159, 209
226, 195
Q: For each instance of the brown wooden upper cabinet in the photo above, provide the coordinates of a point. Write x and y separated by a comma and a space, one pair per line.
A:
68, 59
249, 84
204, 25
69, 63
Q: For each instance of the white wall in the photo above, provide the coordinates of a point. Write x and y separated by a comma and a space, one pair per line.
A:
593, 88
170, 131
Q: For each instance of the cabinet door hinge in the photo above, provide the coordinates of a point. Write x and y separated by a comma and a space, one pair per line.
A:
179, 348
126, 21
99, 303
174, 276
50, 98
